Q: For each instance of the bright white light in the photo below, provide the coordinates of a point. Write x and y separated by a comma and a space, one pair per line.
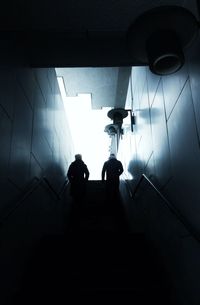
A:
62, 87
87, 130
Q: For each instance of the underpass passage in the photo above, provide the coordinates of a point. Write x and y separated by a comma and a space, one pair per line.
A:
96, 258
96, 212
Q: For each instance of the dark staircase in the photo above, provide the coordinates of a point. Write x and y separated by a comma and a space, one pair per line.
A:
96, 260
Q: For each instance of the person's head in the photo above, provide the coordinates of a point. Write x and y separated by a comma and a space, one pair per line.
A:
112, 156
78, 157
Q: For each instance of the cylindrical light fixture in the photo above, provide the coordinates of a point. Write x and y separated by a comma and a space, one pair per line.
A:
164, 52
159, 36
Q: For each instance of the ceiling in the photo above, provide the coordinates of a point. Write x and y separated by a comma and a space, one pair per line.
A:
90, 35
75, 32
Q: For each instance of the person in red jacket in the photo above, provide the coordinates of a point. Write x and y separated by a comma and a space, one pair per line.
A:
112, 169
78, 175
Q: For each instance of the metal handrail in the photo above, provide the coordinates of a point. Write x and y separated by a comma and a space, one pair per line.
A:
64, 185
62, 189
30, 191
24, 196
171, 206
51, 188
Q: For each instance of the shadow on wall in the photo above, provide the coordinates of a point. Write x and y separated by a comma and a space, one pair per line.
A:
56, 175
135, 168
144, 114
20, 181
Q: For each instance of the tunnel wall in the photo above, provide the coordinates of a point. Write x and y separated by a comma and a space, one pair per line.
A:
34, 136
165, 145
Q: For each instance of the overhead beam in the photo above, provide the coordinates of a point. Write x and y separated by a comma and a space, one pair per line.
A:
66, 49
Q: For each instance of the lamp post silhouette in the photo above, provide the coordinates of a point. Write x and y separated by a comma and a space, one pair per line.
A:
115, 130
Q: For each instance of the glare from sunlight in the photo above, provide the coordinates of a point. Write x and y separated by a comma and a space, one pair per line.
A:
87, 130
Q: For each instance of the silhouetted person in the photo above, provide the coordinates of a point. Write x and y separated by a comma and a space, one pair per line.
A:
78, 175
113, 169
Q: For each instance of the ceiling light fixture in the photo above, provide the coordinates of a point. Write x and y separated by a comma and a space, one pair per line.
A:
159, 36
117, 115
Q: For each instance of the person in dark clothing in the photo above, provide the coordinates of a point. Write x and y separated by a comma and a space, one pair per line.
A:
113, 169
78, 175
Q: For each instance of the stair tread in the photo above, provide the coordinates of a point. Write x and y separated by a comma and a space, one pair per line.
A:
97, 255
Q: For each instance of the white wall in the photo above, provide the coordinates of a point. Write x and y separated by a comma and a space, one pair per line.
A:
34, 136
165, 145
